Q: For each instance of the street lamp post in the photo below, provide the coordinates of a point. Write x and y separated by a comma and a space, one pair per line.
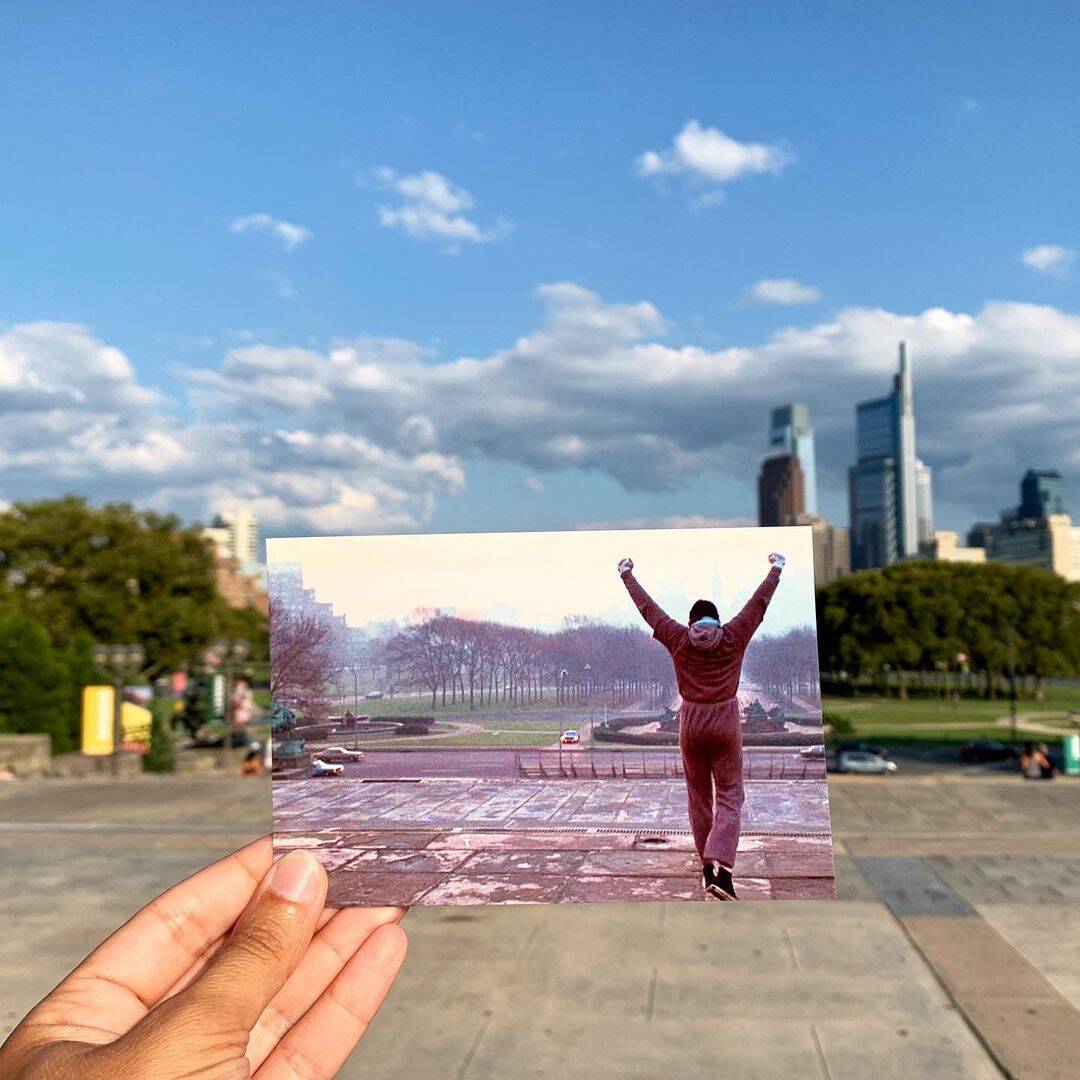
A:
121, 662
228, 653
588, 694
1012, 683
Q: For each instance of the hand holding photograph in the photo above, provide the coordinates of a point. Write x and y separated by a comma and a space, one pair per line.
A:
486, 718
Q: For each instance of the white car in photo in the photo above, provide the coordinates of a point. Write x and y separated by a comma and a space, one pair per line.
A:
326, 768
864, 764
341, 753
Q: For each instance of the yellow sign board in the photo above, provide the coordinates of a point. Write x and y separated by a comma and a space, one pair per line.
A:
97, 722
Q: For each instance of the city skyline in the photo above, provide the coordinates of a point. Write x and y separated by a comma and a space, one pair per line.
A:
891, 504
208, 307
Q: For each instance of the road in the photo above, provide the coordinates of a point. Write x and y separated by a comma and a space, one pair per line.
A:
505, 764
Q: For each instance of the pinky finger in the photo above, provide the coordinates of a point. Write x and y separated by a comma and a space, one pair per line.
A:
318, 1044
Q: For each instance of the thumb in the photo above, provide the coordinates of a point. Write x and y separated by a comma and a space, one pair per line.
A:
215, 1014
266, 943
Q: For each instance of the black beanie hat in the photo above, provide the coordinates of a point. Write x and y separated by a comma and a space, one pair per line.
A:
704, 609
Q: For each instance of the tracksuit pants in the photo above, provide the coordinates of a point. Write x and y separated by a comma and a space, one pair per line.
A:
710, 738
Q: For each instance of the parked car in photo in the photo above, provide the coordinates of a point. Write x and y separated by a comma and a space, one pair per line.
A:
326, 768
341, 753
570, 738
980, 750
864, 764
373, 695
861, 748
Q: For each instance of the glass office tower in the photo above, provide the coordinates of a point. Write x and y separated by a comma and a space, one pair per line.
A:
888, 494
1042, 492
790, 433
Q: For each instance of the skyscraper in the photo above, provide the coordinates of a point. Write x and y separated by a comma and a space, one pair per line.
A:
924, 502
781, 490
790, 433
1038, 532
884, 484
1042, 492
235, 533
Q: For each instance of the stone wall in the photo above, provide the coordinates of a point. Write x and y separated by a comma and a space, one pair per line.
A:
27, 755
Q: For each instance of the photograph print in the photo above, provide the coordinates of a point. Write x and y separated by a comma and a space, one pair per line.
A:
588, 716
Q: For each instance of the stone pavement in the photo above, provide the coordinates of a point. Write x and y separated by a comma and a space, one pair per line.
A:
954, 950
470, 841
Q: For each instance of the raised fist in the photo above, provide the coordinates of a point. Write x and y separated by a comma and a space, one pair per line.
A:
625, 566
778, 560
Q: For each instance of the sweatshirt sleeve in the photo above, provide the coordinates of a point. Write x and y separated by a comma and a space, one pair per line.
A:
743, 625
665, 629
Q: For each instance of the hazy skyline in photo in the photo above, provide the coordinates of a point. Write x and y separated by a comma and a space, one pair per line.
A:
540, 579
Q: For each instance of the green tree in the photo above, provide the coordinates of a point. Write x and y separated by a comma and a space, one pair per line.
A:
159, 758
117, 574
916, 615
34, 686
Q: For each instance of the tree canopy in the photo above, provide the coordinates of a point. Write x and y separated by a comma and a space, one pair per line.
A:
115, 573
915, 615
34, 682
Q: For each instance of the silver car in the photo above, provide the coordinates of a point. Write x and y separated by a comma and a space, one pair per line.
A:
859, 761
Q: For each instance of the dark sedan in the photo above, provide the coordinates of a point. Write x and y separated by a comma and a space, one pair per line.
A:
980, 750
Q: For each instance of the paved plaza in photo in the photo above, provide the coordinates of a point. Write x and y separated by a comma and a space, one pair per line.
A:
517, 841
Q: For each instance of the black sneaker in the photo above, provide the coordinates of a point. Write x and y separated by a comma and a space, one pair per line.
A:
717, 882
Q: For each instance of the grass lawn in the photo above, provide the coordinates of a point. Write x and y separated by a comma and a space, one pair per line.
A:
888, 720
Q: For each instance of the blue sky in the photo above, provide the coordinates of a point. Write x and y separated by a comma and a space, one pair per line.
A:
193, 204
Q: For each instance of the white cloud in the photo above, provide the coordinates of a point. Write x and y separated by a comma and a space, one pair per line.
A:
782, 291
76, 417
594, 388
290, 234
466, 131
707, 156
370, 433
969, 104
1052, 259
534, 484
433, 208
283, 286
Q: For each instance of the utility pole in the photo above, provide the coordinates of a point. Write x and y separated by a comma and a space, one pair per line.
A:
1012, 681
227, 653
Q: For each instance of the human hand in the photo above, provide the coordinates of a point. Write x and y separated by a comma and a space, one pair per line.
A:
234, 972
625, 566
778, 560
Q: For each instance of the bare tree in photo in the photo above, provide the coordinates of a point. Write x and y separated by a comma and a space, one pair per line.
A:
304, 662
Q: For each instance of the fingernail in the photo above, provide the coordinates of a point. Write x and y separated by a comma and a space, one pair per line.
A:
295, 877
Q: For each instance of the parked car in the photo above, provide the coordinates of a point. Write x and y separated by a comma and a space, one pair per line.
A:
326, 768
373, 695
979, 750
341, 753
570, 738
865, 764
861, 748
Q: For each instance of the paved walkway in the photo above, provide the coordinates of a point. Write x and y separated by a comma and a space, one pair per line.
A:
470, 841
954, 952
